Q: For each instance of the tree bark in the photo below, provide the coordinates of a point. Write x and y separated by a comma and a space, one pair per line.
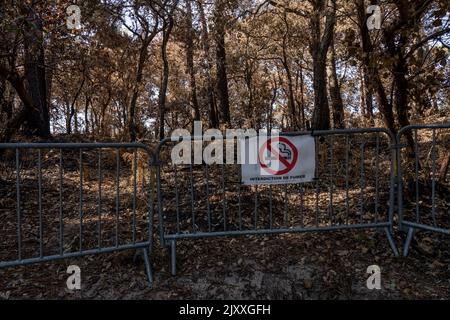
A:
371, 69
221, 62
38, 119
143, 55
319, 45
213, 115
190, 62
167, 30
335, 91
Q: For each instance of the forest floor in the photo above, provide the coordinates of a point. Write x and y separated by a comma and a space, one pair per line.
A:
305, 266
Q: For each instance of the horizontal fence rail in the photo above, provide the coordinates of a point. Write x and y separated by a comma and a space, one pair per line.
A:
424, 186
352, 189
104, 201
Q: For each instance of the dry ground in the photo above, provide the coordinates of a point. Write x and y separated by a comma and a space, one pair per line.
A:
318, 266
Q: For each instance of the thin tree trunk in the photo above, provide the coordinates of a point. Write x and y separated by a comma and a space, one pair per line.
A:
190, 62
370, 66
38, 119
320, 43
213, 115
86, 120
335, 91
221, 62
167, 29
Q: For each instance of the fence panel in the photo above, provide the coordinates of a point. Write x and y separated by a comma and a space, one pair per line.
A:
424, 186
64, 200
353, 189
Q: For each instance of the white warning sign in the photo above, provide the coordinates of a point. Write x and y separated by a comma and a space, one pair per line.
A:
281, 160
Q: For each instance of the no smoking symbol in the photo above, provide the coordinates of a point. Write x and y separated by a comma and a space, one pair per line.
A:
280, 151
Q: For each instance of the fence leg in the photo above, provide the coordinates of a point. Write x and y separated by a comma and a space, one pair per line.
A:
148, 268
391, 242
173, 257
408, 241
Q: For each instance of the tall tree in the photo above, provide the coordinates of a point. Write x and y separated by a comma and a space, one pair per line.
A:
320, 40
207, 66
167, 14
38, 117
190, 61
221, 61
337, 106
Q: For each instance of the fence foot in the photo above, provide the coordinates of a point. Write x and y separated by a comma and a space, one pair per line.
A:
391, 242
408, 241
173, 257
148, 268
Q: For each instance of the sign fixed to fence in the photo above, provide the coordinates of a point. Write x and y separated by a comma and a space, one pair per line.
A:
281, 160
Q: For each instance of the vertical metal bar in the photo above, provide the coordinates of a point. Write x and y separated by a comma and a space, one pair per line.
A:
224, 198
41, 247
135, 163
270, 208
177, 197
361, 183
409, 238
377, 174
347, 151
256, 207
392, 181
396, 169
391, 241
81, 199
416, 168
286, 207
19, 218
61, 222
208, 205
99, 203
302, 221
317, 183
239, 199
152, 162
173, 257
148, 268
191, 179
160, 200
433, 183
331, 182
117, 195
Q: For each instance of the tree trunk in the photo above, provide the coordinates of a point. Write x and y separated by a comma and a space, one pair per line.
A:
366, 95
167, 29
335, 91
190, 62
38, 120
20, 116
86, 120
286, 64
320, 42
221, 64
213, 116
371, 68
6, 99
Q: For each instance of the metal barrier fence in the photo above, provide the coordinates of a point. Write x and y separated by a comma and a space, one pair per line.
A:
353, 189
105, 194
87, 218
423, 188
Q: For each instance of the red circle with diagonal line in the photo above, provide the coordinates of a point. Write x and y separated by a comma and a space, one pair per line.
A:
288, 164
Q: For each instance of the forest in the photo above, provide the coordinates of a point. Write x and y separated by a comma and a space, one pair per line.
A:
134, 70
91, 92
